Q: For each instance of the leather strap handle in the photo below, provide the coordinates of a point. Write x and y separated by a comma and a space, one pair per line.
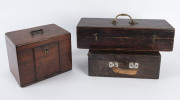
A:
132, 22
39, 31
133, 68
124, 71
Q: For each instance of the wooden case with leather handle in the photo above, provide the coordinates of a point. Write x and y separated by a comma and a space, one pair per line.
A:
134, 64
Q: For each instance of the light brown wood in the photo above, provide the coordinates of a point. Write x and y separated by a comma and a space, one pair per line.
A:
47, 63
29, 59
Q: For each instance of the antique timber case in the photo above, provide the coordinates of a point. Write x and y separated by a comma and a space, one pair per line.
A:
38, 53
132, 64
120, 34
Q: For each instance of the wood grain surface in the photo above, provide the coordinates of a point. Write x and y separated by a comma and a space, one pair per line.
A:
149, 63
33, 58
147, 35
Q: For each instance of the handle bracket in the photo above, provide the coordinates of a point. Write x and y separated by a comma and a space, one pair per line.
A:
34, 32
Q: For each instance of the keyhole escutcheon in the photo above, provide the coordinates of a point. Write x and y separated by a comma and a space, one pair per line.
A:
96, 36
46, 50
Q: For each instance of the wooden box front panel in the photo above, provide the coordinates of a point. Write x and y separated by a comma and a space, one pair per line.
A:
125, 39
149, 65
46, 60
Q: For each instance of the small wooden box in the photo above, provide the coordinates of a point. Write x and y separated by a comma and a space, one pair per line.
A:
38, 53
145, 35
132, 64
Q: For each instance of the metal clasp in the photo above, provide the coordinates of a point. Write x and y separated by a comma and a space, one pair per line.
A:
113, 64
154, 38
133, 65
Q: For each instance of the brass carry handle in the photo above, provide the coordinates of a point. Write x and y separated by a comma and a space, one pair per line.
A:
39, 31
124, 71
132, 22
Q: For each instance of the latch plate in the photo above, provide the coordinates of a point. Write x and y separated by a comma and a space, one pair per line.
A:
113, 64
133, 65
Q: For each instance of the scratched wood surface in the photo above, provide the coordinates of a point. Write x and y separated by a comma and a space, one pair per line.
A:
149, 63
35, 57
147, 35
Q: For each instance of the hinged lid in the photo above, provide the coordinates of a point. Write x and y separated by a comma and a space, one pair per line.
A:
118, 27
35, 34
124, 23
116, 55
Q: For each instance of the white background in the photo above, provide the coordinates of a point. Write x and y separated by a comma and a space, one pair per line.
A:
76, 84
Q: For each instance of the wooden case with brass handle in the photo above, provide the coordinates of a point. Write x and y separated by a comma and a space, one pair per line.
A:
115, 63
125, 34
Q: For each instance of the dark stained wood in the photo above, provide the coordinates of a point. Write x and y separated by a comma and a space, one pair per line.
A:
147, 35
28, 61
149, 63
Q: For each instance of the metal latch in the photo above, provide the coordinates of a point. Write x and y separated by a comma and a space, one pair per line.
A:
133, 65
113, 64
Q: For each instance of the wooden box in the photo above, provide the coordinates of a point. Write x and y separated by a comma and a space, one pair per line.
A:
132, 64
120, 34
38, 53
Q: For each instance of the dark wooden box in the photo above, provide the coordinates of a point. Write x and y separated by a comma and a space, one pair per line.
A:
38, 53
145, 35
133, 64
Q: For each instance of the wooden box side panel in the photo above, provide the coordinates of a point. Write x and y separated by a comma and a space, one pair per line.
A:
12, 57
149, 67
26, 67
65, 55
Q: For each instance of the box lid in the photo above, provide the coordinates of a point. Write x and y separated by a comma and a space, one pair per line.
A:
35, 34
119, 54
124, 23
